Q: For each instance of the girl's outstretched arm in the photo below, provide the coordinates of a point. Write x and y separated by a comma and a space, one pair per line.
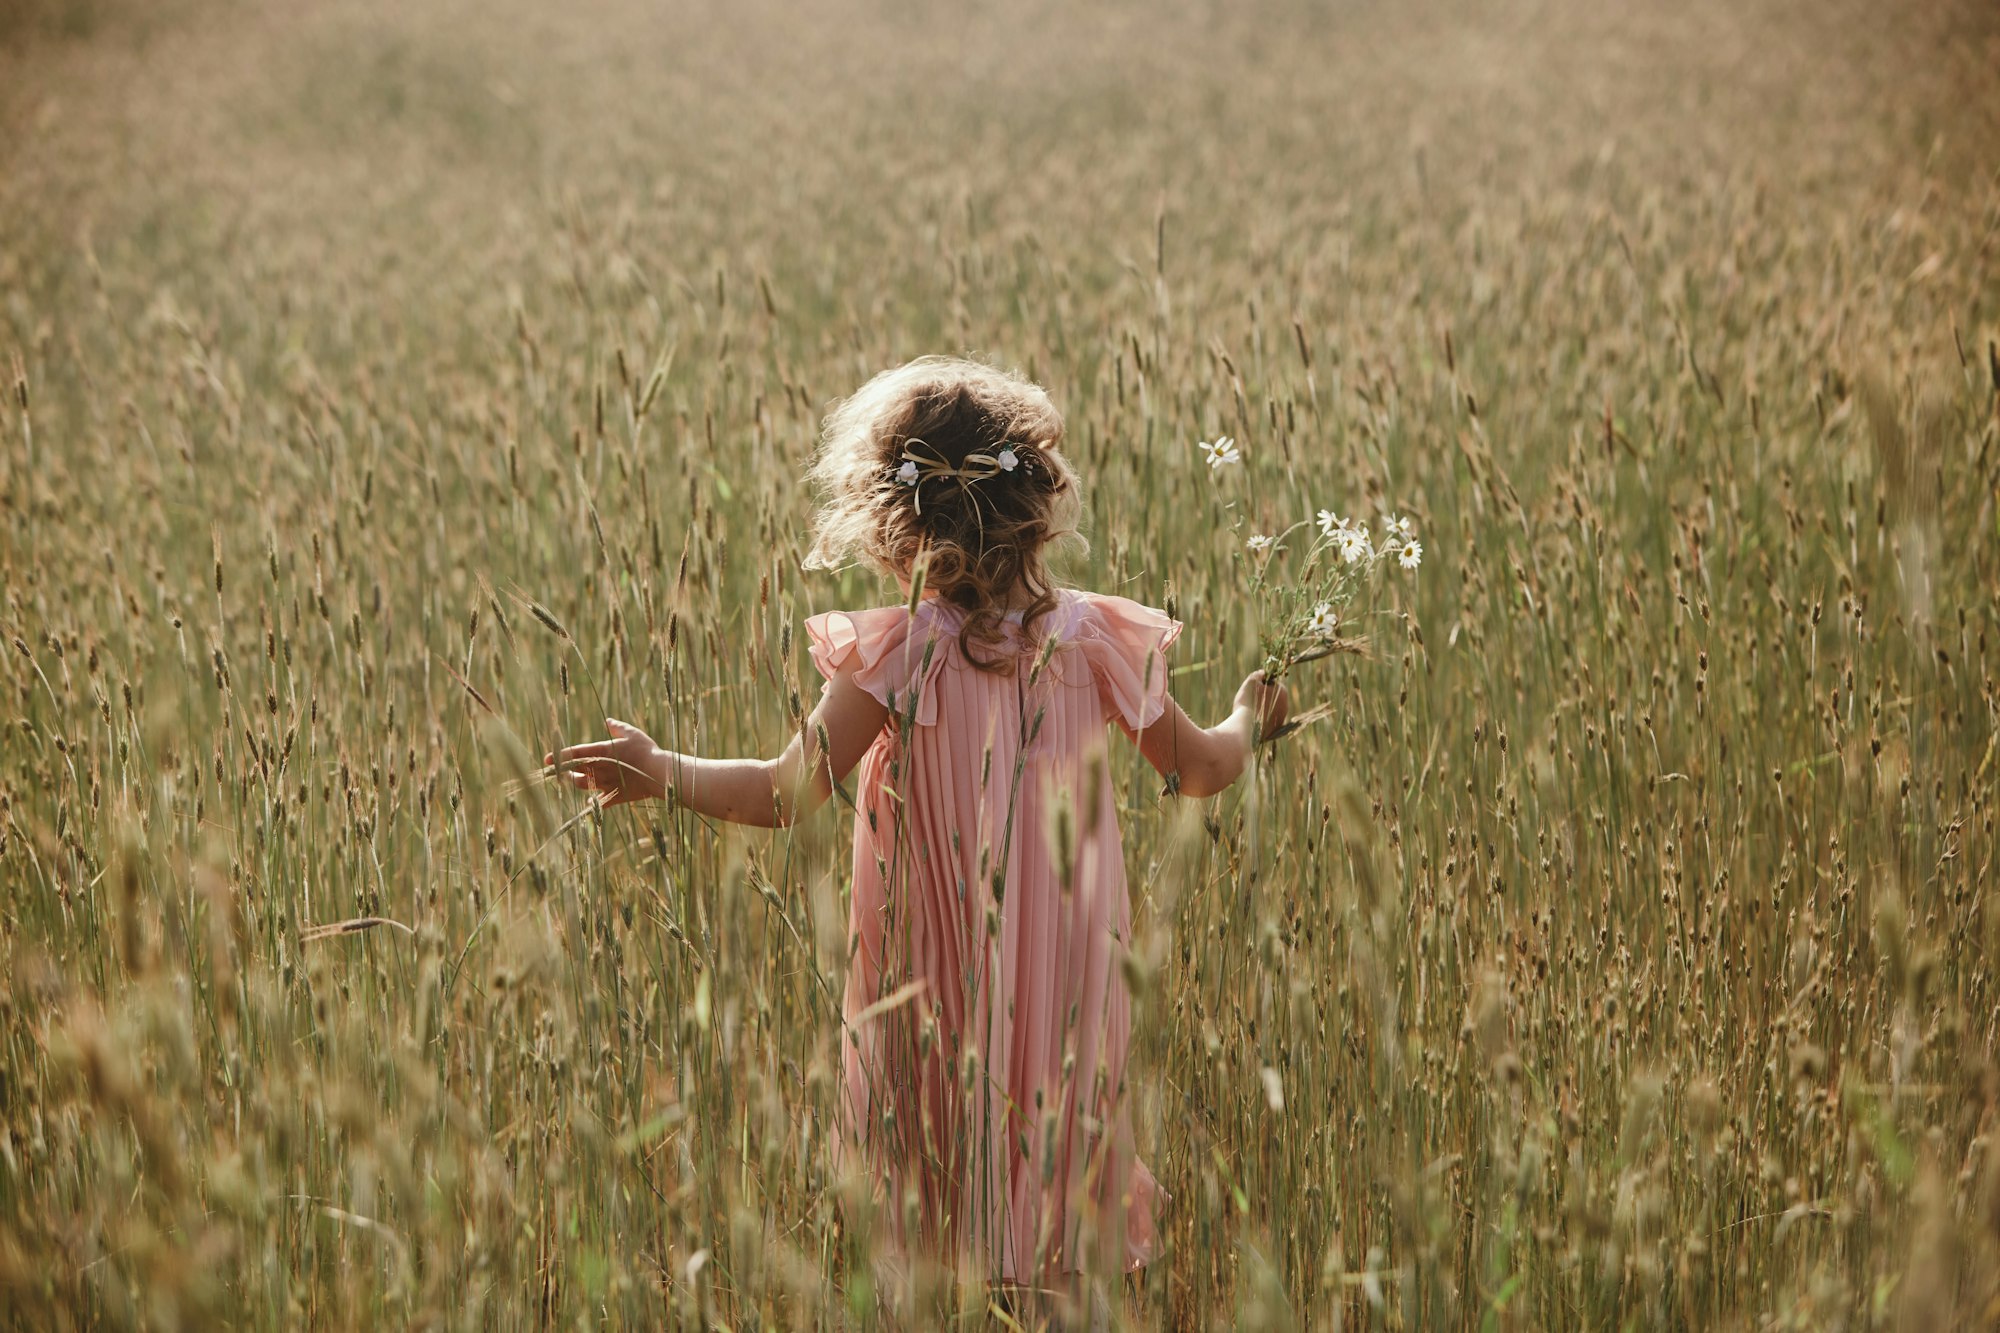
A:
769, 793
1207, 760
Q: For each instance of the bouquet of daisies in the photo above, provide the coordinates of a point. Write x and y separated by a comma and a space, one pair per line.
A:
1308, 615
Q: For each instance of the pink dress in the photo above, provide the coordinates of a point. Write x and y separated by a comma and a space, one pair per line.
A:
986, 1020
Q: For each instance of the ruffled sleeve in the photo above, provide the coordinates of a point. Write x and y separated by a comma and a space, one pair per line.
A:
1126, 645
896, 655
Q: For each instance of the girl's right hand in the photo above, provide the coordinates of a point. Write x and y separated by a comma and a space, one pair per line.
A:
1268, 701
628, 767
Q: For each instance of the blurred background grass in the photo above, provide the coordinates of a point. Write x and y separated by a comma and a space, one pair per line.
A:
1617, 955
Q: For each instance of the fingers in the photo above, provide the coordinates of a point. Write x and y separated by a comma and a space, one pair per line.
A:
1275, 703
600, 766
579, 754
620, 733
601, 772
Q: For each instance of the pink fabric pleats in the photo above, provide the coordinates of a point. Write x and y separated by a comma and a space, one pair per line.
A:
989, 889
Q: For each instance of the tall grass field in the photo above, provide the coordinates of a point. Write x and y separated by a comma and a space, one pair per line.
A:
392, 392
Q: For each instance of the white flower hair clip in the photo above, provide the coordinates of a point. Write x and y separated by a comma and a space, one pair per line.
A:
922, 463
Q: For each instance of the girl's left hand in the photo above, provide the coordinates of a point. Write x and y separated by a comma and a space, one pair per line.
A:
1268, 701
628, 767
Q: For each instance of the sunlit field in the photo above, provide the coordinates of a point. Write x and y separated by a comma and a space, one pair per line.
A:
394, 391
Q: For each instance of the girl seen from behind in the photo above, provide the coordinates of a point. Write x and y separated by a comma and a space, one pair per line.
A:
985, 1025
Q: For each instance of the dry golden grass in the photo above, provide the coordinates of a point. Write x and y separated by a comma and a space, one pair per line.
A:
392, 394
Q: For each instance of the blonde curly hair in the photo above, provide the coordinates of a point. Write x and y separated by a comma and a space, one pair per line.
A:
960, 464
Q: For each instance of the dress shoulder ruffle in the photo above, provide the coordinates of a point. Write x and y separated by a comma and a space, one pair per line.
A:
1126, 645
898, 654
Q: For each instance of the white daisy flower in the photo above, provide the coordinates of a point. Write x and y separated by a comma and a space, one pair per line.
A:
1324, 621
1354, 546
1259, 544
1410, 554
1396, 528
1220, 454
1330, 523
907, 474
1008, 460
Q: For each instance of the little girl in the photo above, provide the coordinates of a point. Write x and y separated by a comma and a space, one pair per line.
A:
985, 1019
